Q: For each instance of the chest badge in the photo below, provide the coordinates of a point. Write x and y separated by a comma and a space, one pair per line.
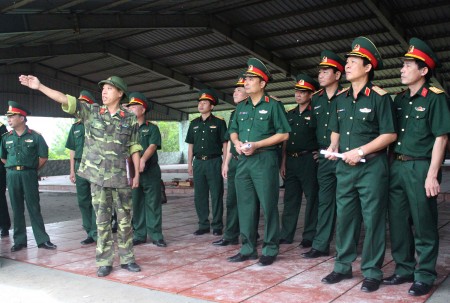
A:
308, 118
28, 140
420, 109
263, 111
213, 126
316, 107
365, 110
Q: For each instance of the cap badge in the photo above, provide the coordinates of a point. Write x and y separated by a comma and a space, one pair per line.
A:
203, 95
357, 47
324, 59
241, 79
250, 67
10, 108
301, 82
411, 49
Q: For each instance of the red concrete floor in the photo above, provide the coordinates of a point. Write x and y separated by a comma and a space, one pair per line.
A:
192, 267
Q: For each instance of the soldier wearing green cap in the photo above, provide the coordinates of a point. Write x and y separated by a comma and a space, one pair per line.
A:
423, 121
362, 126
5, 220
24, 152
147, 211
75, 143
260, 125
207, 145
298, 166
111, 138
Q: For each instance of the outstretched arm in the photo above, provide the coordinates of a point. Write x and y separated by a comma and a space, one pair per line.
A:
34, 83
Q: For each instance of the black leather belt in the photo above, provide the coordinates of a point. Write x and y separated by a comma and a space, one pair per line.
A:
375, 154
18, 167
206, 157
401, 157
299, 153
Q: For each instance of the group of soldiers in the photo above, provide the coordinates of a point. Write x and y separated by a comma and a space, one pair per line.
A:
389, 152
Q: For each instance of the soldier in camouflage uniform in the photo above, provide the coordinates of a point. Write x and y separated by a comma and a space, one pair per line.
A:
111, 137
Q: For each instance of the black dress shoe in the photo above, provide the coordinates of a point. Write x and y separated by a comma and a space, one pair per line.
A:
266, 260
397, 279
17, 247
419, 289
133, 267
138, 242
370, 285
4, 233
217, 232
305, 243
284, 241
314, 253
47, 245
336, 277
200, 232
242, 258
160, 243
103, 271
223, 242
87, 241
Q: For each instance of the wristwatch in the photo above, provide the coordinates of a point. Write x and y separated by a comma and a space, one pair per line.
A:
360, 152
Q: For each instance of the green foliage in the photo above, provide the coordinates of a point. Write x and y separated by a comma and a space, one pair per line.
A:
57, 147
169, 135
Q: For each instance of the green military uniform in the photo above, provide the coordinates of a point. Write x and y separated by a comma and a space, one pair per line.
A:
301, 168
421, 118
22, 155
5, 221
109, 141
362, 188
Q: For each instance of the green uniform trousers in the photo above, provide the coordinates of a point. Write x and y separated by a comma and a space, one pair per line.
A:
301, 177
257, 179
5, 220
85, 204
23, 185
208, 179
362, 189
105, 200
147, 211
407, 199
232, 225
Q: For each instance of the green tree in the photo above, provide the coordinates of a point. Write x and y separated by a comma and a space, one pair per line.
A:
57, 148
169, 135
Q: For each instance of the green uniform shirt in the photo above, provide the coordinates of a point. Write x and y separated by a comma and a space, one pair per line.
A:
360, 121
24, 150
259, 122
207, 136
227, 135
323, 109
149, 134
75, 140
110, 140
420, 119
303, 134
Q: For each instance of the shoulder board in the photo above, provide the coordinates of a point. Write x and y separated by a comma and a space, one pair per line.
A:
343, 91
273, 97
233, 111
436, 90
1, 124
379, 90
10, 132
317, 91
292, 109
149, 122
195, 119
218, 117
33, 131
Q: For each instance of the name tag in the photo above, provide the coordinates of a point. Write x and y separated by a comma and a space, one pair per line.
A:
28, 140
365, 110
213, 126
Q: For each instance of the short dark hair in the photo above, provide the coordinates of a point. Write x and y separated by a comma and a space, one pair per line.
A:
420, 65
372, 71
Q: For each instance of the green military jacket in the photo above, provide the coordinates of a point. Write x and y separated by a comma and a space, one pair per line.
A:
420, 119
109, 141
303, 130
323, 108
360, 121
75, 140
149, 134
259, 122
207, 136
24, 150
227, 135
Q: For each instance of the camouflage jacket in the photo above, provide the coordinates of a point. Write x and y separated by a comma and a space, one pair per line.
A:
109, 141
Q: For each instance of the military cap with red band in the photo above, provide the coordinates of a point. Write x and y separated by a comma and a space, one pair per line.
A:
419, 50
137, 98
332, 60
305, 82
87, 96
258, 69
15, 108
364, 48
209, 95
241, 81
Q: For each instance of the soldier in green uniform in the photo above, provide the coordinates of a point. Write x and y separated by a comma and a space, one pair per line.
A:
111, 138
75, 143
24, 152
260, 125
147, 211
362, 127
423, 121
207, 145
5, 220
298, 166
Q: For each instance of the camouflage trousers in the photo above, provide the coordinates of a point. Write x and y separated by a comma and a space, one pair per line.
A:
104, 200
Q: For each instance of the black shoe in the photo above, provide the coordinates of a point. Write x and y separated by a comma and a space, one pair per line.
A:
217, 232
266, 260
242, 258
370, 285
138, 242
419, 289
314, 253
200, 232
133, 267
284, 241
103, 271
17, 247
335, 277
223, 242
305, 243
47, 245
87, 241
160, 243
4, 233
397, 279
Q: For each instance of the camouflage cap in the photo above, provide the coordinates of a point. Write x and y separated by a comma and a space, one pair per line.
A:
137, 98
15, 108
305, 82
418, 49
329, 58
207, 94
257, 68
116, 82
364, 48
87, 96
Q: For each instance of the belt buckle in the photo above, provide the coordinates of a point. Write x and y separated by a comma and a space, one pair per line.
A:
19, 167
204, 158
401, 157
